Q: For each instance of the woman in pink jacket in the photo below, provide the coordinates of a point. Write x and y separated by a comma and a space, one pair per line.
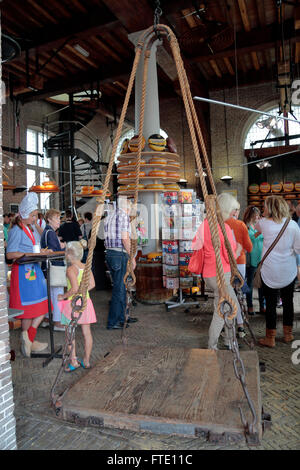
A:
202, 241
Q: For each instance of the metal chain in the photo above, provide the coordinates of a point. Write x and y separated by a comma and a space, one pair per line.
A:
56, 400
239, 370
242, 301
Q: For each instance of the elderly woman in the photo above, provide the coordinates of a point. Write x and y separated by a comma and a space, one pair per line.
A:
279, 269
28, 290
202, 241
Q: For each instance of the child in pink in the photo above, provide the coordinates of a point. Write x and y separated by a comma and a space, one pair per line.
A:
74, 254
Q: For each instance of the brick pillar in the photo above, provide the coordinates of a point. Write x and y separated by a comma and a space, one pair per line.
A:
7, 419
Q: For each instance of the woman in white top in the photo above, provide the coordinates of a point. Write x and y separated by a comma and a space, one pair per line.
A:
279, 269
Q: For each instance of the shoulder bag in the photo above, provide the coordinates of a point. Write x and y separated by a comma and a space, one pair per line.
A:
58, 274
257, 282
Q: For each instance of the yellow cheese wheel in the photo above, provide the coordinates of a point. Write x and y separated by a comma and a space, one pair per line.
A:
87, 189
132, 174
122, 188
265, 187
157, 173
276, 187
288, 186
133, 143
172, 187
172, 174
158, 161
297, 186
131, 187
253, 188
254, 198
155, 186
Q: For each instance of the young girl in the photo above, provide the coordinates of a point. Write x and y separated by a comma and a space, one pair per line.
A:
74, 253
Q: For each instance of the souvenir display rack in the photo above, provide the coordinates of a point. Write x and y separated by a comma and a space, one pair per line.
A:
182, 215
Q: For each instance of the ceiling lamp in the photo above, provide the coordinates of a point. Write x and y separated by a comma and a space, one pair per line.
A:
81, 50
226, 179
264, 164
269, 123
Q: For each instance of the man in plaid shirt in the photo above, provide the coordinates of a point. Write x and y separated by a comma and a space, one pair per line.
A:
117, 244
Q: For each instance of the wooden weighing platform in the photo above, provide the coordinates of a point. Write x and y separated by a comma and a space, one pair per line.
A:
167, 390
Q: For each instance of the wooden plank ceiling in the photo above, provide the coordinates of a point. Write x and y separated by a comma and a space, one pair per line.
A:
224, 43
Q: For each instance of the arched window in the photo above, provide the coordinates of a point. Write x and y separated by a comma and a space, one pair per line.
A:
128, 135
265, 127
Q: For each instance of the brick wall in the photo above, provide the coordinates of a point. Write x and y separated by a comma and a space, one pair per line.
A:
260, 97
7, 419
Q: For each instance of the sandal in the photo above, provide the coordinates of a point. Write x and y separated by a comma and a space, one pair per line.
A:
71, 368
83, 365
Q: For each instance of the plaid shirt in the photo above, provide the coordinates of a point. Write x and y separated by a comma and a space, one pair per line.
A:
116, 223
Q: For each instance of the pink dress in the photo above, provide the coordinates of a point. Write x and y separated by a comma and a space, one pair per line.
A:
87, 316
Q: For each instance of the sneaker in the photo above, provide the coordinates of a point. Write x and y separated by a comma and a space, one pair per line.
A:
241, 332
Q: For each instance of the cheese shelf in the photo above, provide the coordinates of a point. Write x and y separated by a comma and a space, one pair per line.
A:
131, 191
148, 165
168, 155
161, 179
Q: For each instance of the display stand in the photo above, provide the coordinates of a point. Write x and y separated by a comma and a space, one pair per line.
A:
182, 216
37, 258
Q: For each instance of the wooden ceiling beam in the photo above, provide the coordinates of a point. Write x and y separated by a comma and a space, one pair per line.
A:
76, 82
49, 38
254, 40
244, 15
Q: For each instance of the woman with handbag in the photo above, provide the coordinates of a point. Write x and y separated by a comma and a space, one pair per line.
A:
207, 265
278, 268
28, 289
51, 241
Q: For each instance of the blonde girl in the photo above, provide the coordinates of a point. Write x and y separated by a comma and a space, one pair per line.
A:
74, 254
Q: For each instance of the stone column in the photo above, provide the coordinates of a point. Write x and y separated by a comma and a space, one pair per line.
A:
151, 126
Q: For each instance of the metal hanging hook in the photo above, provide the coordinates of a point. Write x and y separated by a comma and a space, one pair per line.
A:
157, 15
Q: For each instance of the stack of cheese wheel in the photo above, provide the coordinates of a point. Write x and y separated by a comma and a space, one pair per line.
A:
276, 187
297, 186
265, 187
157, 142
87, 189
98, 192
156, 173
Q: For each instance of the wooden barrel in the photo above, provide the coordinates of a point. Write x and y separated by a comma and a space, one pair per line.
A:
149, 284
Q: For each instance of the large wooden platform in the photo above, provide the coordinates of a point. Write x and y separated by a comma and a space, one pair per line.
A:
191, 392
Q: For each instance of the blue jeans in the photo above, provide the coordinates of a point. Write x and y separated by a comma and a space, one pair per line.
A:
250, 272
117, 264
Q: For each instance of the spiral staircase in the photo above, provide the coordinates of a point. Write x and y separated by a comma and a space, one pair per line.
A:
77, 149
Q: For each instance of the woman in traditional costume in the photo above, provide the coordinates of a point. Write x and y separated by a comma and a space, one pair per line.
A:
28, 288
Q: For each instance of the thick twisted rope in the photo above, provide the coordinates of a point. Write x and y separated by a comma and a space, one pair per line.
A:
83, 288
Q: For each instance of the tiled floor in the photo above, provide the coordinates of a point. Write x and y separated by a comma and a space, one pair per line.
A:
39, 428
